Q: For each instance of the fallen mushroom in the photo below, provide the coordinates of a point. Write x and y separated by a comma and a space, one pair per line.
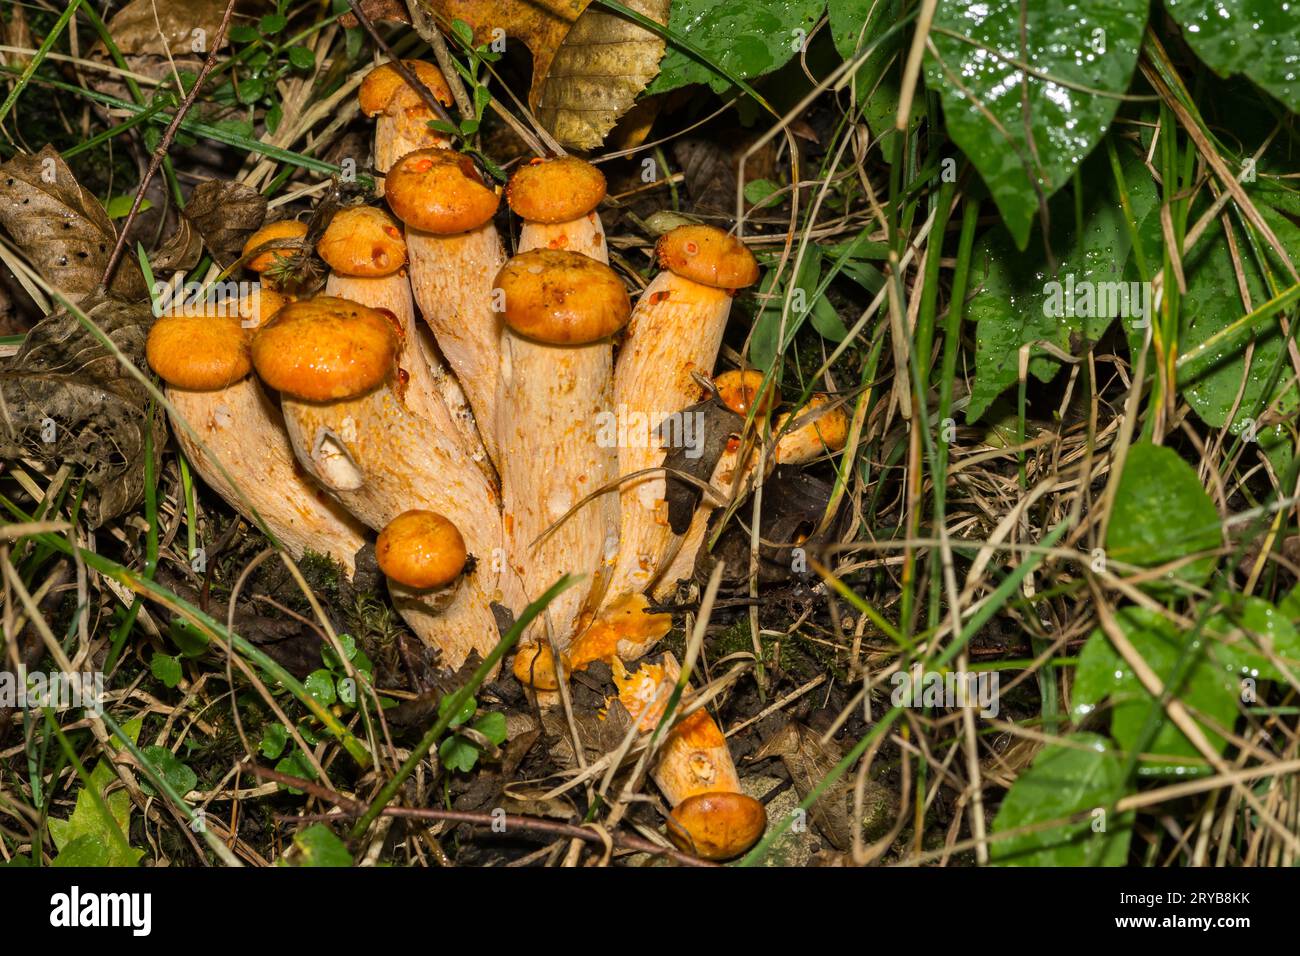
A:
233, 425
675, 330
334, 363
710, 817
366, 252
455, 254
822, 429
401, 114
556, 363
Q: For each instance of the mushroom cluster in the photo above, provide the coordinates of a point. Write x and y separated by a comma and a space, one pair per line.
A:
472, 443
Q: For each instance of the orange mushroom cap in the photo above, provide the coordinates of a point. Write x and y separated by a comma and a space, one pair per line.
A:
717, 826
739, 389
707, 255
272, 231
363, 241
421, 549
830, 428
555, 190
325, 349
201, 353
439, 191
562, 298
535, 667
383, 83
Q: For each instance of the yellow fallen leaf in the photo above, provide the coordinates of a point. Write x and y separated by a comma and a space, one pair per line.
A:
589, 65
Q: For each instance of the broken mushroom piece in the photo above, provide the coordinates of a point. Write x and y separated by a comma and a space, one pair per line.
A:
822, 429
233, 425
675, 330
560, 308
454, 254
401, 114
334, 363
269, 262
711, 817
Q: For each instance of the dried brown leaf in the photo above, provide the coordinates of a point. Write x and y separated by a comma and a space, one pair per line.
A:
61, 227
179, 253
186, 26
589, 65
225, 213
808, 761
65, 398
377, 10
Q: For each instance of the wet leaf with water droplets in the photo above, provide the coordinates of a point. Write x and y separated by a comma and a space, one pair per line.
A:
1027, 130
1260, 38
1081, 773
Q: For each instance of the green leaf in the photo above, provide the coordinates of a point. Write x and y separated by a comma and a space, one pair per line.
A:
251, 90
465, 713
758, 191
1213, 302
165, 763
166, 668
1012, 307
1246, 625
274, 737
301, 58
1027, 132
320, 684
1260, 38
242, 33
1101, 673
89, 835
295, 765
120, 206
271, 24
1162, 513
191, 641
1080, 774
330, 659
741, 36
492, 725
317, 846
855, 26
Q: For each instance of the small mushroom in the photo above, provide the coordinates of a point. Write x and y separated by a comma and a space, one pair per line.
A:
557, 199
675, 330
366, 252
455, 254
204, 361
560, 308
334, 363
711, 817
269, 262
401, 114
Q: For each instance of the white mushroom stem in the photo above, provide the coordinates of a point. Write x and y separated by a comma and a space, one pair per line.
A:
380, 459
428, 390
240, 427
548, 415
452, 277
400, 129
676, 329
585, 235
